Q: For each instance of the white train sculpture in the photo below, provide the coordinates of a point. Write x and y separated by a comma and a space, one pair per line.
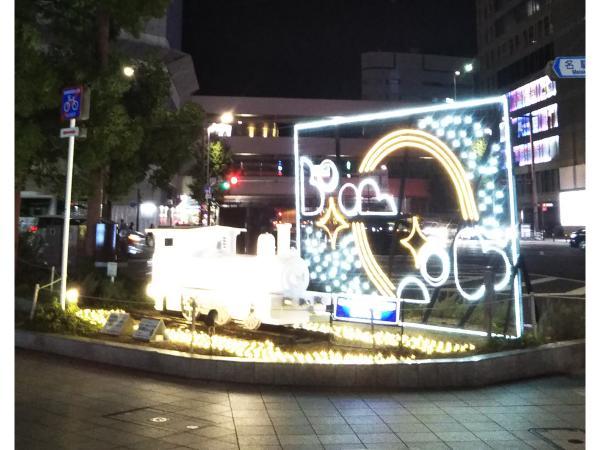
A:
201, 266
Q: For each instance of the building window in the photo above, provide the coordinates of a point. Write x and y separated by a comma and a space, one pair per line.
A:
547, 26
251, 130
533, 6
530, 35
265, 130
275, 130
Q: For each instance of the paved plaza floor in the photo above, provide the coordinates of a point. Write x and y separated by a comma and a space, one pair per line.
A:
69, 404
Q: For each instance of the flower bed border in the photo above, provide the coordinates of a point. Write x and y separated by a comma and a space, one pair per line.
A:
478, 370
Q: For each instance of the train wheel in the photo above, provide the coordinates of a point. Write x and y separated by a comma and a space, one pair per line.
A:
252, 322
223, 317
187, 308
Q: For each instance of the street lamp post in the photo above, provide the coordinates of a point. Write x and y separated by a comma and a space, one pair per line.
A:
467, 68
456, 74
532, 174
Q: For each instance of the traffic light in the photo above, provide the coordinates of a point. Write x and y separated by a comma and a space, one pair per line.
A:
231, 179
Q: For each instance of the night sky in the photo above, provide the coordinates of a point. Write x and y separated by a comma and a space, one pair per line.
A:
311, 48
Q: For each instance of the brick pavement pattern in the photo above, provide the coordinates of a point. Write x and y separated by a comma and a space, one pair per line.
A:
76, 405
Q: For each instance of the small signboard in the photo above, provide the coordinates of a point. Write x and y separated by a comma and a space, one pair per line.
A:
111, 269
117, 324
69, 132
366, 308
149, 330
569, 66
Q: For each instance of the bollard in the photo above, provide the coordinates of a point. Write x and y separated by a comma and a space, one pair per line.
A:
35, 299
488, 281
534, 323
193, 325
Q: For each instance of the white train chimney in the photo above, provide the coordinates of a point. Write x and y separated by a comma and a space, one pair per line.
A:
283, 238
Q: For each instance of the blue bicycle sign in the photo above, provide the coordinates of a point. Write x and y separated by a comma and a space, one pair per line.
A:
71, 103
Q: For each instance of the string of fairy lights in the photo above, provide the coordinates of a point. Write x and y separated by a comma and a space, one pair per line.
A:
266, 350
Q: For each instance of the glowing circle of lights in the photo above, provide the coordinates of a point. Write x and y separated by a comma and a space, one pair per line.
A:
428, 250
413, 280
332, 184
486, 247
349, 212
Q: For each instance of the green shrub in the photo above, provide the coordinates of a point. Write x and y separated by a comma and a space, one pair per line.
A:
51, 318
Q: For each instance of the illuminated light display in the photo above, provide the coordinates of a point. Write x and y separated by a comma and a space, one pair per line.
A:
357, 208
332, 222
463, 139
407, 242
406, 281
433, 249
262, 282
409, 138
486, 247
268, 351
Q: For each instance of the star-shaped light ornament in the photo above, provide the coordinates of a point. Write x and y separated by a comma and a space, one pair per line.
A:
409, 243
332, 222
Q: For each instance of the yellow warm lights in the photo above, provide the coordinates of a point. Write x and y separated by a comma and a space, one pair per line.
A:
332, 219
96, 316
386, 339
267, 351
409, 138
416, 229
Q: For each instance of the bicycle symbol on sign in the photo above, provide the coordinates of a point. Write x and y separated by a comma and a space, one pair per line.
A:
71, 104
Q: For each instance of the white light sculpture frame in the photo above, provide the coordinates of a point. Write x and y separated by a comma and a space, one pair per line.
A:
456, 135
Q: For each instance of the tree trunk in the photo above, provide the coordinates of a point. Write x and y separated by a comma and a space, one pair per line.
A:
94, 211
95, 199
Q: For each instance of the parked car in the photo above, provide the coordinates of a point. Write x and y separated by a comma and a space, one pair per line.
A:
577, 239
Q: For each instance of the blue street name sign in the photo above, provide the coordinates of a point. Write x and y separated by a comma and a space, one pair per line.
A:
71, 103
569, 66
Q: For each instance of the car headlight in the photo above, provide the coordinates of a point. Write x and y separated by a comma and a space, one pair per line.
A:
573, 235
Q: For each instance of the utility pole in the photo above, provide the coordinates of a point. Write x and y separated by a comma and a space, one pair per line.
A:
534, 197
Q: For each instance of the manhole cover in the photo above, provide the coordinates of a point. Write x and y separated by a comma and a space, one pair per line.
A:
159, 419
561, 438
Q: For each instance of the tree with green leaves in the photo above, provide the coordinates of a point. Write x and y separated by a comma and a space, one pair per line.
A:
132, 135
220, 161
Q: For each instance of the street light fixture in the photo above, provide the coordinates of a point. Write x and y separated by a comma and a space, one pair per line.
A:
467, 68
227, 117
128, 71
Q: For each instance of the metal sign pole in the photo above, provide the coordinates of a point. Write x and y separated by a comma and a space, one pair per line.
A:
67, 220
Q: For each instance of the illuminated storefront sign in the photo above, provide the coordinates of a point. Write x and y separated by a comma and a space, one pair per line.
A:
545, 150
573, 208
531, 93
543, 119
335, 216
